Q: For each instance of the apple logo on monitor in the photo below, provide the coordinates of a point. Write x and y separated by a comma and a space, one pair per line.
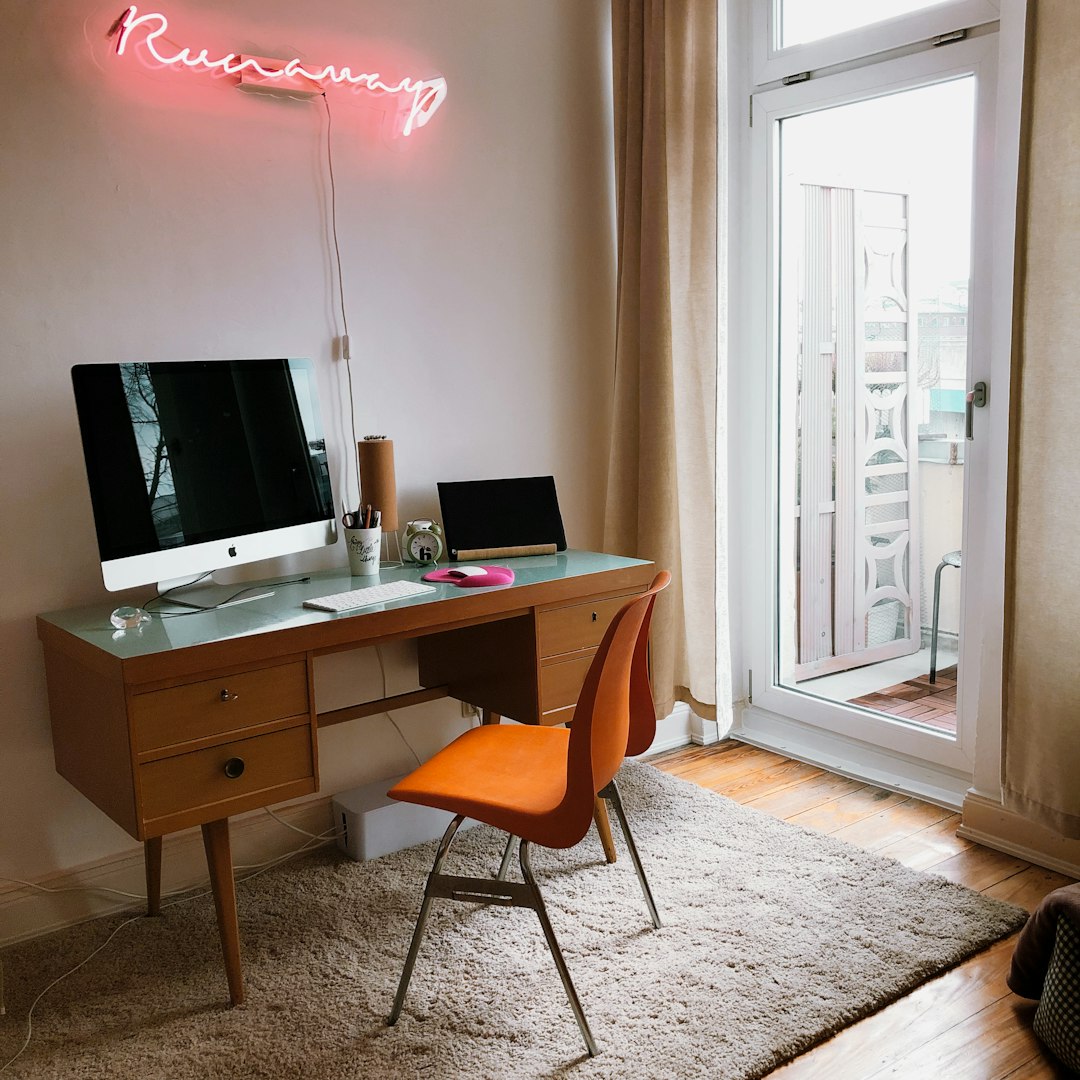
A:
232, 551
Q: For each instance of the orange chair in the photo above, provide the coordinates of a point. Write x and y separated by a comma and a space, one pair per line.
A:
536, 783
642, 731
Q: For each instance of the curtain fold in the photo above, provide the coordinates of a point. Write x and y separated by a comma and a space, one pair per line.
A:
665, 471
1041, 739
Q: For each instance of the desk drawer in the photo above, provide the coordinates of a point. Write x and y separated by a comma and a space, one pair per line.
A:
580, 626
188, 781
560, 685
220, 705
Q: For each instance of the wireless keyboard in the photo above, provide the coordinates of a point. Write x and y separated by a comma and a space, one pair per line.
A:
370, 594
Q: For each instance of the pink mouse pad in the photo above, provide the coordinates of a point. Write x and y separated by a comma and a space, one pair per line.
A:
474, 576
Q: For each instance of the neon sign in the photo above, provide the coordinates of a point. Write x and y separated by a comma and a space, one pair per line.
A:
421, 96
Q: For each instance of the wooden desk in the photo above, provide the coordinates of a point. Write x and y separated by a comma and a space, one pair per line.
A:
194, 719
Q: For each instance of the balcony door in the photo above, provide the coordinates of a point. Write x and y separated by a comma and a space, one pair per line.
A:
873, 492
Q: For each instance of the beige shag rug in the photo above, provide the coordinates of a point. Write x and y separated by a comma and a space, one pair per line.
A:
773, 939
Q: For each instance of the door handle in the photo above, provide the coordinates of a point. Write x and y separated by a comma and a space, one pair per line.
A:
976, 399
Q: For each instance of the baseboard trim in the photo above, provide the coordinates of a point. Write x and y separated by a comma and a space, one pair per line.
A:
673, 731
256, 838
991, 824
849, 757
703, 732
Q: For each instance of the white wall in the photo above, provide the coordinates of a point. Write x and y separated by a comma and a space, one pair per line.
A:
154, 215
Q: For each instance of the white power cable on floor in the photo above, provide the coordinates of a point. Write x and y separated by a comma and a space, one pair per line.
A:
316, 840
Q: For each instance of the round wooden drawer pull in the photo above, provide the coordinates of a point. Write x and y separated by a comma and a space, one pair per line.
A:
594, 616
234, 767
228, 695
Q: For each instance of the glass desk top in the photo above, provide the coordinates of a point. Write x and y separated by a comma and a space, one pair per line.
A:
283, 609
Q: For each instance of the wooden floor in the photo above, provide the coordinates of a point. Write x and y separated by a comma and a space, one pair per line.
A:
963, 1025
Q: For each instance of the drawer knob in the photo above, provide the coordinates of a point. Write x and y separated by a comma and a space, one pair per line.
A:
234, 767
594, 616
228, 695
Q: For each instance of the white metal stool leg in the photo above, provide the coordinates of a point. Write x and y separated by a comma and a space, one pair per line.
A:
952, 558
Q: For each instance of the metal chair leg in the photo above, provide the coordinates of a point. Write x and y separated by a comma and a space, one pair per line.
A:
421, 921
553, 945
611, 793
508, 853
479, 890
934, 624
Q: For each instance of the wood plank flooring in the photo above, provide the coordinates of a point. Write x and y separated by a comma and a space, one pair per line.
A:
930, 703
963, 1025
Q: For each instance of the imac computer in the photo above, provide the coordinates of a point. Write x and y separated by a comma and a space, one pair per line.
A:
197, 465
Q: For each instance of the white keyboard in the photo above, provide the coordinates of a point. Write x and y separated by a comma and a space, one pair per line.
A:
370, 594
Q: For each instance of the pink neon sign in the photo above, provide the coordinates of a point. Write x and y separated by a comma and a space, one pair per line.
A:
422, 96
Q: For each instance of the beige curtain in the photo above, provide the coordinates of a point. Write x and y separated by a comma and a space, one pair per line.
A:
664, 477
1042, 649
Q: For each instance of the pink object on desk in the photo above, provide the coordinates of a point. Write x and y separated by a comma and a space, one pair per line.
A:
475, 576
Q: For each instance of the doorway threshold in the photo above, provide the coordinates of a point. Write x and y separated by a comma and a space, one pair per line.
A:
850, 757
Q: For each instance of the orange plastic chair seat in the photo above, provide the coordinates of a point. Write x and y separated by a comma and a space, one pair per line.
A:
511, 777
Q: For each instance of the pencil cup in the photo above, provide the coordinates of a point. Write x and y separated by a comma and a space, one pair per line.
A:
363, 546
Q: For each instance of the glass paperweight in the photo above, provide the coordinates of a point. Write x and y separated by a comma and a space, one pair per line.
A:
129, 618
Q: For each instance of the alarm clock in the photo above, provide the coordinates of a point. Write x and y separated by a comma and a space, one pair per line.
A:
423, 543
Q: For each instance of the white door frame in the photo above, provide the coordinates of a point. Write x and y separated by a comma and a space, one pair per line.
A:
982, 584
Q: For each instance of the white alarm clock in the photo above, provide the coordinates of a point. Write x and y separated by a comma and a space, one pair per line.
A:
423, 542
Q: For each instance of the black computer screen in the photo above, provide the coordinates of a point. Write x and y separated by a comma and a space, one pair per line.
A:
185, 452
518, 512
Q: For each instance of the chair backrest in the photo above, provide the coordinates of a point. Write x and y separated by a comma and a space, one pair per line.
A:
601, 726
642, 710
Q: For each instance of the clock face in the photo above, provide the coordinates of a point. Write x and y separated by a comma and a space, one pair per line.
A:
423, 546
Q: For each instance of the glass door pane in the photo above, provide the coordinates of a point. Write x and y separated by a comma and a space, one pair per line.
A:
874, 264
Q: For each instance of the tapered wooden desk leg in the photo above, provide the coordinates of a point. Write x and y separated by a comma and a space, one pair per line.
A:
603, 827
489, 717
152, 857
219, 860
